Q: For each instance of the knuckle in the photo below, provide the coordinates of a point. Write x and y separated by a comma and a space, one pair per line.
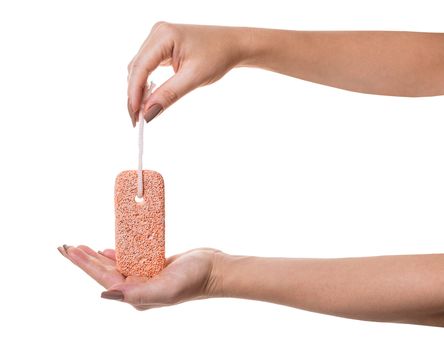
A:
138, 301
138, 66
135, 64
158, 25
169, 96
134, 298
164, 28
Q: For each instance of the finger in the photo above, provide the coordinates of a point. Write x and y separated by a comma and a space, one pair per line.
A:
131, 114
147, 90
142, 47
169, 92
63, 252
150, 293
130, 66
143, 64
109, 253
88, 250
96, 255
103, 275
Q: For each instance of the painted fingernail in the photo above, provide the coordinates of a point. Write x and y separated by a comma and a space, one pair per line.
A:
130, 111
152, 112
66, 247
112, 294
60, 250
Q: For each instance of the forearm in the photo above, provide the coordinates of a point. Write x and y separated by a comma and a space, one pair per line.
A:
407, 289
386, 63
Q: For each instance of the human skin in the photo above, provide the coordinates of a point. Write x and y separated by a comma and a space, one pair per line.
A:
405, 289
374, 62
402, 289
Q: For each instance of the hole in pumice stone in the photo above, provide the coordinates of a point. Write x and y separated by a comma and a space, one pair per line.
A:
139, 200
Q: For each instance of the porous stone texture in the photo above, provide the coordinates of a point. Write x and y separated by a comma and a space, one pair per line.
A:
140, 227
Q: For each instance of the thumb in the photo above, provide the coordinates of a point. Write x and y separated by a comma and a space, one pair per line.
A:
169, 92
147, 293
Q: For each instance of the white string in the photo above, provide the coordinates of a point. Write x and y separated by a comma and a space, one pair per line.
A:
147, 93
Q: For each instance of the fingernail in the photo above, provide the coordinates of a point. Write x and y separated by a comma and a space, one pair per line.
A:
60, 251
130, 111
66, 247
100, 252
152, 112
113, 295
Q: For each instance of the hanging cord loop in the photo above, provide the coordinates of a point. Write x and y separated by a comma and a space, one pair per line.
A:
147, 93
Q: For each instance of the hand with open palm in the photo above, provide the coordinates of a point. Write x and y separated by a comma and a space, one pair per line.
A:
187, 276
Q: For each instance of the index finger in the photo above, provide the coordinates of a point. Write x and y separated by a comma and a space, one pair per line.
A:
156, 50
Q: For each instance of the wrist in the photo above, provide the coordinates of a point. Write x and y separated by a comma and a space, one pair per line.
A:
248, 46
255, 46
215, 285
231, 276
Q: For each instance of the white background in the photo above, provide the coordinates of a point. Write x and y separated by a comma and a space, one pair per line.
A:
257, 164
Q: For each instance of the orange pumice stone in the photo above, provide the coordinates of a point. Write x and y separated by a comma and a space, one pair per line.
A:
140, 225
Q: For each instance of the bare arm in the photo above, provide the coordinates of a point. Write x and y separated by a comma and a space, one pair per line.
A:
386, 63
407, 289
